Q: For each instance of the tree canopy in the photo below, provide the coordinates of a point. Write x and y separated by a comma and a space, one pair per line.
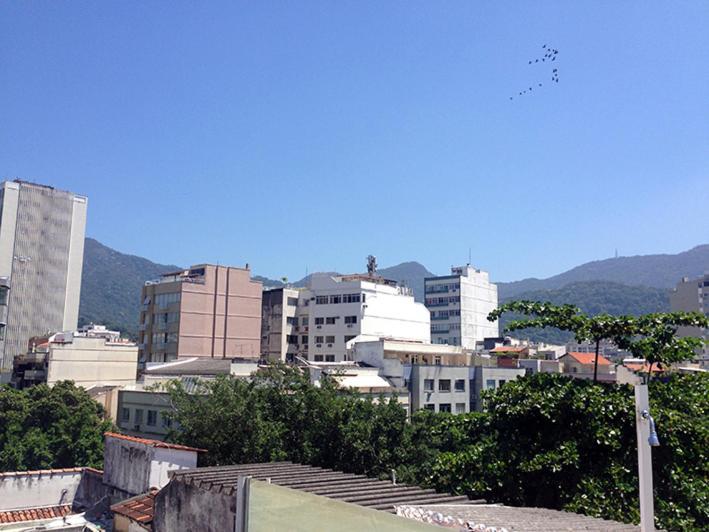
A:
44, 428
544, 440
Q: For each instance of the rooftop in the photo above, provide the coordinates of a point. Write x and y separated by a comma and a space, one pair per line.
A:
512, 518
35, 514
138, 508
346, 487
154, 443
192, 366
588, 358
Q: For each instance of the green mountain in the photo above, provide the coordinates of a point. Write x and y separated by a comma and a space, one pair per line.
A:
658, 271
593, 297
111, 284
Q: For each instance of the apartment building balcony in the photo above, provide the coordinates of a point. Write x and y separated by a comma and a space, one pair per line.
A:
439, 318
440, 331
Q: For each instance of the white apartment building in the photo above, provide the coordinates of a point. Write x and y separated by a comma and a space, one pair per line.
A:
41, 260
334, 310
692, 295
459, 305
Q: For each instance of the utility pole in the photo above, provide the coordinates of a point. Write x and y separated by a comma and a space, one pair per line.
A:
645, 428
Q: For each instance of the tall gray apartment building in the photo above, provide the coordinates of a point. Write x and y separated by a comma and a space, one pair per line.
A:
41, 258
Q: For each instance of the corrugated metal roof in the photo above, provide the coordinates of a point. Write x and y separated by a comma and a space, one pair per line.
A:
194, 366
346, 487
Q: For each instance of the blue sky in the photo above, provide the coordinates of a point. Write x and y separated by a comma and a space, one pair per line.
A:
296, 135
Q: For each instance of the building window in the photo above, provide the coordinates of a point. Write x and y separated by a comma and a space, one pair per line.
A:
329, 339
319, 321
350, 298
428, 385
152, 417
444, 385
321, 300
331, 320
304, 339
292, 301
460, 408
501, 382
166, 421
430, 407
350, 320
490, 384
291, 320
318, 358
460, 385
292, 339
444, 407
334, 300
125, 414
138, 416
318, 339
329, 358
437, 360
304, 320
163, 300
349, 337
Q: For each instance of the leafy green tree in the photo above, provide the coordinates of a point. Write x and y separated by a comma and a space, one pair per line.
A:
43, 427
652, 336
569, 444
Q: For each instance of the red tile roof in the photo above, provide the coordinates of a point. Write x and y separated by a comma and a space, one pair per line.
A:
642, 367
138, 508
154, 443
34, 514
588, 358
508, 349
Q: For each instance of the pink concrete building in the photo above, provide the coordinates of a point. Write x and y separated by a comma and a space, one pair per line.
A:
206, 311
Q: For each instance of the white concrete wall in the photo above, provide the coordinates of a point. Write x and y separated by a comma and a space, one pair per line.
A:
75, 264
384, 311
8, 222
31, 490
166, 460
92, 361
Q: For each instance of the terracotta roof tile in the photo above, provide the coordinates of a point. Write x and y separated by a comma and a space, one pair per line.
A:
643, 367
33, 514
154, 443
508, 349
138, 508
588, 358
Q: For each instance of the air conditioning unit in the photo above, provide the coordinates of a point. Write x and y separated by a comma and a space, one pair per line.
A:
329, 345
318, 326
318, 345
349, 325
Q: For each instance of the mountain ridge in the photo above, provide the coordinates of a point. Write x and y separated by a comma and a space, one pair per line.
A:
111, 281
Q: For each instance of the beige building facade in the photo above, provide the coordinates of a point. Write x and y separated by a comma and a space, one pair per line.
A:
88, 361
204, 311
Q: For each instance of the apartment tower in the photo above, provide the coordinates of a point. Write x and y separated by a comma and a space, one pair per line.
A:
41, 258
692, 295
205, 311
459, 305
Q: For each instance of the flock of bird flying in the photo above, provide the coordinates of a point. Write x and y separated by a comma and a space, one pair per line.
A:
549, 55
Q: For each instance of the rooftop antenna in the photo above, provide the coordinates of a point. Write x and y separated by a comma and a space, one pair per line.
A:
616, 253
371, 265
470, 255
